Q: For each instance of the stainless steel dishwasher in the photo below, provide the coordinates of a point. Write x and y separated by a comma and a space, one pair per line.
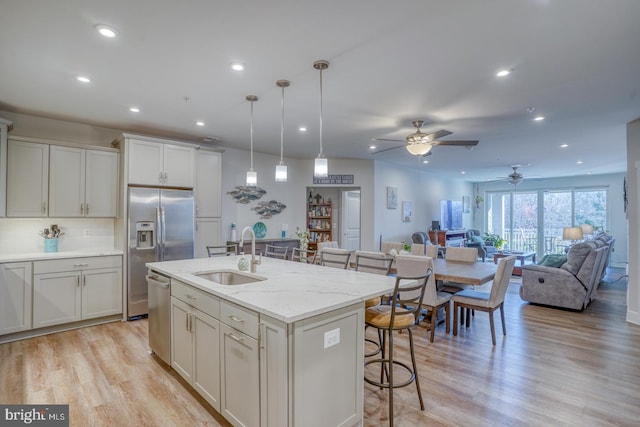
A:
159, 315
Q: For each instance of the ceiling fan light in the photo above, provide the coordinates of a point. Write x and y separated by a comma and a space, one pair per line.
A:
281, 172
419, 149
320, 167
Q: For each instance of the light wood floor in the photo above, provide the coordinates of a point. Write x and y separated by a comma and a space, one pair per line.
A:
554, 367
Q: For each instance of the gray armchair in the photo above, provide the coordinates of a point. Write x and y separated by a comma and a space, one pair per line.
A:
570, 286
475, 240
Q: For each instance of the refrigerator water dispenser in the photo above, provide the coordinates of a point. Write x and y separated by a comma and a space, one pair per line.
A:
144, 235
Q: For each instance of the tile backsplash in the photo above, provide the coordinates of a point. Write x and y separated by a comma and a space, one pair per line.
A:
18, 235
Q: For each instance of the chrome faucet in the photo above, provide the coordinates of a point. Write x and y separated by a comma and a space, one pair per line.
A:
254, 262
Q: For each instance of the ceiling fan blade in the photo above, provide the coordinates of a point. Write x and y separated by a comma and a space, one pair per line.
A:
439, 134
388, 140
387, 149
460, 143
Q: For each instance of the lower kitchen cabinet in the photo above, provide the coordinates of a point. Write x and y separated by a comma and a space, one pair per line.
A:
15, 297
195, 338
69, 290
240, 378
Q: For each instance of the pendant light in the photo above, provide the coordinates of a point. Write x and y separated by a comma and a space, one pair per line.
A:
252, 176
281, 168
321, 165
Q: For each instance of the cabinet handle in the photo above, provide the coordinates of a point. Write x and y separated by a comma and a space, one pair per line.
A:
81, 208
160, 178
78, 281
86, 209
166, 178
236, 319
261, 331
186, 318
44, 207
235, 338
81, 265
84, 280
191, 296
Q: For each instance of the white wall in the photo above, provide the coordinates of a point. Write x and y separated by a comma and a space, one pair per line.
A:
633, 195
617, 222
424, 190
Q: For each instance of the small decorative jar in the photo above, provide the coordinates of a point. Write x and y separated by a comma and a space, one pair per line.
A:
243, 264
51, 245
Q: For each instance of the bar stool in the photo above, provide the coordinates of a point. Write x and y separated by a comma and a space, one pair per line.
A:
413, 274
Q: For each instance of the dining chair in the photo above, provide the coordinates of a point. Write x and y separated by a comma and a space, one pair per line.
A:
418, 249
303, 255
459, 254
335, 257
396, 317
329, 244
489, 302
386, 246
273, 251
222, 250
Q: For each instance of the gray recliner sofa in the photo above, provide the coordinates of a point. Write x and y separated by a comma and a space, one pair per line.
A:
573, 285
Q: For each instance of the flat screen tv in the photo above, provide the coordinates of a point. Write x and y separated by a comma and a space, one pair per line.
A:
450, 214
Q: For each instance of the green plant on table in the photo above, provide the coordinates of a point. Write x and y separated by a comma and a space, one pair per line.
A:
497, 241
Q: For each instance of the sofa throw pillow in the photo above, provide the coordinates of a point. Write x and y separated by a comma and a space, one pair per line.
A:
553, 260
477, 239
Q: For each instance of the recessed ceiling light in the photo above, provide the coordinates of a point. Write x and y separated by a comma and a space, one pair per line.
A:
503, 73
83, 79
538, 118
564, 145
579, 162
463, 172
210, 139
199, 123
425, 161
588, 173
302, 129
106, 31
134, 109
372, 147
237, 66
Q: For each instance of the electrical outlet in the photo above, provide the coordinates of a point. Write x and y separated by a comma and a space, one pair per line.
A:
86, 233
331, 338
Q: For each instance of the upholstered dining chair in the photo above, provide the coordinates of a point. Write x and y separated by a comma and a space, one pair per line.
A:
413, 274
222, 250
489, 302
273, 251
459, 254
329, 244
303, 255
335, 257
386, 246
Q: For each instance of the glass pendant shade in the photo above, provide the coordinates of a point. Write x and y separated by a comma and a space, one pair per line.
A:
252, 178
320, 167
281, 172
419, 149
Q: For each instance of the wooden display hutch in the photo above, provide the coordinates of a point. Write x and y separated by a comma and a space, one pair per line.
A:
319, 223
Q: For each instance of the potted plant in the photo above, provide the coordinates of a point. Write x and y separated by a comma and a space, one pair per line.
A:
497, 241
479, 199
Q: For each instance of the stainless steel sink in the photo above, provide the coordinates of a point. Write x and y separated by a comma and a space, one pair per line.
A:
229, 277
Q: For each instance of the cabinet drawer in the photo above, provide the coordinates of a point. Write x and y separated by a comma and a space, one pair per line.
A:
240, 318
70, 264
203, 301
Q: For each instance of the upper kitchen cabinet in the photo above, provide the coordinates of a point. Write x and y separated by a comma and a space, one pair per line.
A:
208, 183
159, 164
5, 128
82, 182
27, 179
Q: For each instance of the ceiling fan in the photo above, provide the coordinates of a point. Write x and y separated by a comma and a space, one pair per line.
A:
514, 177
420, 143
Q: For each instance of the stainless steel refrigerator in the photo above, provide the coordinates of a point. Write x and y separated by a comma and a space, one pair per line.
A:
161, 228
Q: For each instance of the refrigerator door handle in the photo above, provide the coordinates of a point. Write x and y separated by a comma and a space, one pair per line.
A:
159, 232
163, 236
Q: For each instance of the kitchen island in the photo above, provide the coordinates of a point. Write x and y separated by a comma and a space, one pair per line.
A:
284, 350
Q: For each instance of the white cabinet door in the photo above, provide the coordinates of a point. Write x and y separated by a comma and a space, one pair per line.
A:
240, 377
56, 298
101, 189
27, 179
206, 373
179, 166
207, 234
181, 339
145, 162
15, 297
208, 185
274, 376
101, 292
66, 181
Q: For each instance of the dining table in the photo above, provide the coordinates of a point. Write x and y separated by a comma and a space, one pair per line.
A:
470, 273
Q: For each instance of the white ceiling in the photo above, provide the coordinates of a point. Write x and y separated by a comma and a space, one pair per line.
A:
576, 62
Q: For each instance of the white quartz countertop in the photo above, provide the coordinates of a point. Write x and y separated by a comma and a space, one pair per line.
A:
292, 291
39, 256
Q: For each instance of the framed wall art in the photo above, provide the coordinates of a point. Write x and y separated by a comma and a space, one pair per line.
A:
392, 197
407, 211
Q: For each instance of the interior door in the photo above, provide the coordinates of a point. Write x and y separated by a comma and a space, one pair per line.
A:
351, 220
